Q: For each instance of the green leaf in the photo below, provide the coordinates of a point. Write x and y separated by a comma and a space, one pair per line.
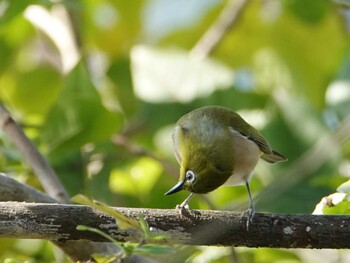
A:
12, 260
120, 73
148, 235
123, 251
103, 259
5, 54
113, 26
334, 204
153, 250
33, 92
14, 8
144, 227
310, 73
97, 231
122, 221
311, 11
78, 116
137, 179
343, 208
168, 75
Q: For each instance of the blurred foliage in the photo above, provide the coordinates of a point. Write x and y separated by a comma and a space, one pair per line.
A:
76, 73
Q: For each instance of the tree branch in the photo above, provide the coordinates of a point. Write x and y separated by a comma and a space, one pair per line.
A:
40, 166
203, 227
227, 18
10, 188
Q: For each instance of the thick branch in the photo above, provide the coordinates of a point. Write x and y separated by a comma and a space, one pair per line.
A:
11, 190
214, 228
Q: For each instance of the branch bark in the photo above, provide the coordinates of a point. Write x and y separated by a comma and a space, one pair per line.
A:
12, 190
203, 227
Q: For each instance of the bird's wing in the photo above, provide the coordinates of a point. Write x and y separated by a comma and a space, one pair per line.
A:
249, 132
252, 134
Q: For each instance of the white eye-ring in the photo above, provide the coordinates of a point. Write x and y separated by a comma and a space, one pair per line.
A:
190, 176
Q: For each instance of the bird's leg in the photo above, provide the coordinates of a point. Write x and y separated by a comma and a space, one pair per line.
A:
251, 209
184, 205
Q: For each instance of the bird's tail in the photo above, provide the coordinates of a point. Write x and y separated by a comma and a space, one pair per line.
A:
274, 157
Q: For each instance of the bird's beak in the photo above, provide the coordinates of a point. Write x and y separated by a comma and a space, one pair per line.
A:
176, 188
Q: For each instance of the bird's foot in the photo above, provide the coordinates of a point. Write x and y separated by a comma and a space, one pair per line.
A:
183, 209
250, 215
183, 206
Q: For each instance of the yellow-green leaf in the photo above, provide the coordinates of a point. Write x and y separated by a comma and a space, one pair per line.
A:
122, 221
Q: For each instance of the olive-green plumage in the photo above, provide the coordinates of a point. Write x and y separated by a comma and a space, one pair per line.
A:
215, 146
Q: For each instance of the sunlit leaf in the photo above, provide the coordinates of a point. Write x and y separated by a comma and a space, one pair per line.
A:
32, 92
122, 221
103, 259
168, 75
59, 33
144, 227
343, 208
336, 203
137, 179
12, 260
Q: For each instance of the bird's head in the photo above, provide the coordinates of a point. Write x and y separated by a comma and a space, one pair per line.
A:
200, 179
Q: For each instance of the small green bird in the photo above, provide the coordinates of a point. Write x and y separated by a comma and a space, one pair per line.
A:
215, 146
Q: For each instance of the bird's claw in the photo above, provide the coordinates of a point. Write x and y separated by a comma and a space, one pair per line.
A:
250, 215
183, 208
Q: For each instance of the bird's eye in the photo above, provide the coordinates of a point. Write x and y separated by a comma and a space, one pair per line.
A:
190, 176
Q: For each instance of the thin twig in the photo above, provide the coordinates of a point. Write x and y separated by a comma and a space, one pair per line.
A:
39, 164
226, 20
